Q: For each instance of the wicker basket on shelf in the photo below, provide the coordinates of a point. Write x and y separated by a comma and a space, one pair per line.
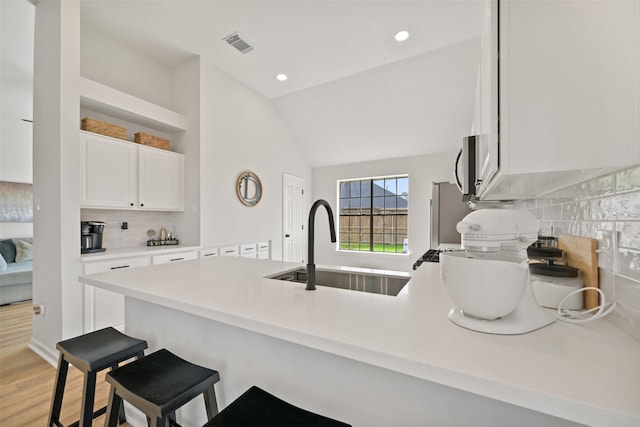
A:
151, 140
104, 128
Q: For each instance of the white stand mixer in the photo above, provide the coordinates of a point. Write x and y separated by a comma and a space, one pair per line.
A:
489, 280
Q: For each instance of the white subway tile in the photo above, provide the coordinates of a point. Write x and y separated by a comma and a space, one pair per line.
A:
628, 179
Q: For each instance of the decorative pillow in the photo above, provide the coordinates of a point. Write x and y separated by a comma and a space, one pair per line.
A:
8, 250
23, 251
3, 264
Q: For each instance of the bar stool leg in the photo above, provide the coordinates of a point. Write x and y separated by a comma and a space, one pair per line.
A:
210, 402
115, 404
88, 396
56, 403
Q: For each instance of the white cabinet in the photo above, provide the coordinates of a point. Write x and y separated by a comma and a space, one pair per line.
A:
568, 94
209, 252
109, 169
260, 250
248, 250
160, 175
230, 251
174, 257
264, 250
118, 174
104, 308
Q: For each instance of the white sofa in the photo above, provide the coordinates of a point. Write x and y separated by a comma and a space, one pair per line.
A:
16, 280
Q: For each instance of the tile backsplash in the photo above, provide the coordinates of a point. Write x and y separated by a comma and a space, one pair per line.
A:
607, 209
138, 223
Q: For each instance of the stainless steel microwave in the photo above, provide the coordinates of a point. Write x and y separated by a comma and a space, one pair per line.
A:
476, 164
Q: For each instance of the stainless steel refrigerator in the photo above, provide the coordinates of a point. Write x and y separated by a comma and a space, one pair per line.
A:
447, 209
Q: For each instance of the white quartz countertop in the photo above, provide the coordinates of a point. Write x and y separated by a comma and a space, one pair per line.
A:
135, 252
589, 373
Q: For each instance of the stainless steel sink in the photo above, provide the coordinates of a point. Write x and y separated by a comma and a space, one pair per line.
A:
351, 280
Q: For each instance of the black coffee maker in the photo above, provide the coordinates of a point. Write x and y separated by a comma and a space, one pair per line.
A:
91, 237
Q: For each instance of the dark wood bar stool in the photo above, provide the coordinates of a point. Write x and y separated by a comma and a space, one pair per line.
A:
158, 385
257, 408
91, 353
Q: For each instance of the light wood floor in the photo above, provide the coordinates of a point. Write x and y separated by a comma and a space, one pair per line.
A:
26, 380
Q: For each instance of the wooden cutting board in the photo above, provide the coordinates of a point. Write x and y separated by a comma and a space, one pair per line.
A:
580, 252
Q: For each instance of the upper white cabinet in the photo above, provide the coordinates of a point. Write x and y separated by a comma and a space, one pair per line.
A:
117, 174
109, 169
568, 94
160, 175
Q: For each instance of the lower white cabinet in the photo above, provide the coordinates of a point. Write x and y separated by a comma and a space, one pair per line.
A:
230, 251
264, 250
104, 308
260, 250
174, 257
209, 252
248, 250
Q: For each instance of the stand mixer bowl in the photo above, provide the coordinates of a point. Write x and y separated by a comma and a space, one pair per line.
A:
484, 285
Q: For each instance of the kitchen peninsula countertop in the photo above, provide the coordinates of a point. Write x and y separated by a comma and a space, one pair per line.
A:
584, 373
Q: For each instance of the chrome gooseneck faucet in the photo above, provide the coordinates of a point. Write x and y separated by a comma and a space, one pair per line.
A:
311, 267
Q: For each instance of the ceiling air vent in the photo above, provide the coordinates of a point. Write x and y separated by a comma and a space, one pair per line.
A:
236, 41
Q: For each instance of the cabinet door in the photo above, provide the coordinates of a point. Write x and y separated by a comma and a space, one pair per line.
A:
160, 179
264, 250
248, 250
104, 308
485, 116
174, 257
567, 81
108, 170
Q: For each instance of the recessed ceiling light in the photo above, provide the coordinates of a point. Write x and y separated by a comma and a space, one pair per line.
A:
402, 35
282, 77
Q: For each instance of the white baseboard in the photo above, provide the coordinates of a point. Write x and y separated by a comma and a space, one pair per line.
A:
48, 354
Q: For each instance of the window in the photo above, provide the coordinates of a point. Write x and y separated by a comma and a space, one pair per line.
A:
374, 214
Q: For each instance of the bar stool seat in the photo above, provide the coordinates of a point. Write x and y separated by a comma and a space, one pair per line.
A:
158, 385
258, 408
91, 353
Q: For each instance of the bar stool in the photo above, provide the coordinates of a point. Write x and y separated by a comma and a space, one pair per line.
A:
158, 385
91, 353
257, 408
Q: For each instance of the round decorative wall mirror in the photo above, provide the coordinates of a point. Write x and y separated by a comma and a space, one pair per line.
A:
249, 188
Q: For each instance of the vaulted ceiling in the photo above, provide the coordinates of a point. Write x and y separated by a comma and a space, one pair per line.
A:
353, 93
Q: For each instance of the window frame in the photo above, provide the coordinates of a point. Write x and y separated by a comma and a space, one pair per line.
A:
372, 215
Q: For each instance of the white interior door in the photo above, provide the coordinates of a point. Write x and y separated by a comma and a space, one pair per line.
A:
292, 218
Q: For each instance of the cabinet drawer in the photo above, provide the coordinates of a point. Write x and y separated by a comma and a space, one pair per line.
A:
229, 251
174, 257
264, 246
247, 249
115, 264
209, 252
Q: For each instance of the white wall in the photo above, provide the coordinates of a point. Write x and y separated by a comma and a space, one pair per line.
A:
425, 102
186, 99
241, 130
422, 170
114, 64
56, 187
16, 90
